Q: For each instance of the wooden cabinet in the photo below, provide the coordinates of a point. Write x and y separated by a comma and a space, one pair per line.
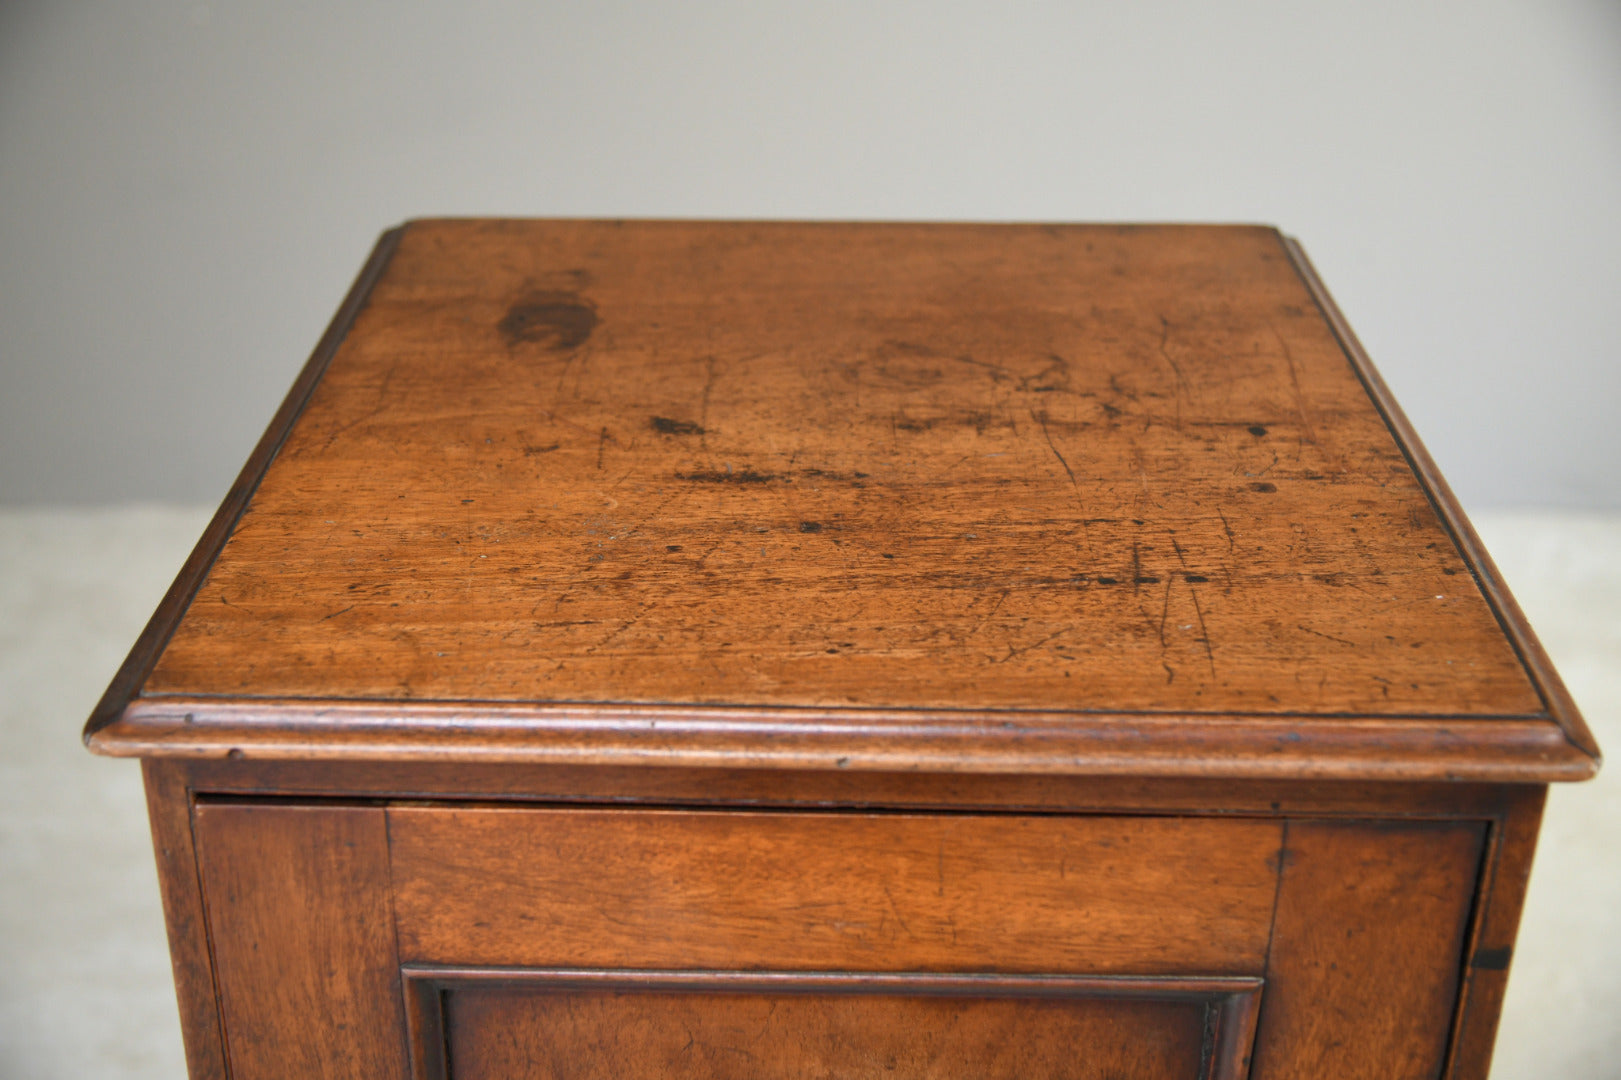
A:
986, 938
797, 651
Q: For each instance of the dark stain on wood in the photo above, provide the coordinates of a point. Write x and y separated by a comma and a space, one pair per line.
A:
665, 426
726, 476
557, 320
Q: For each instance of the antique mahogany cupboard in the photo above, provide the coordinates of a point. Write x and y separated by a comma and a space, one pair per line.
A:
790, 651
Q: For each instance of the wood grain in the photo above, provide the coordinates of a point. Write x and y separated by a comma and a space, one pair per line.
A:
1366, 950
608, 889
302, 934
901, 466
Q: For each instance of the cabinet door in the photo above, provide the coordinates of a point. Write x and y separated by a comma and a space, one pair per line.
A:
632, 943
436, 940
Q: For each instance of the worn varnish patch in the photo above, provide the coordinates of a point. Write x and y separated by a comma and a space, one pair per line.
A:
1074, 468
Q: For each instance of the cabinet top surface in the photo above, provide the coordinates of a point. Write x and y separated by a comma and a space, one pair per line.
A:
907, 468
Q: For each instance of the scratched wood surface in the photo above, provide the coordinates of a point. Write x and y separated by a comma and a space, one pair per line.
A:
1063, 468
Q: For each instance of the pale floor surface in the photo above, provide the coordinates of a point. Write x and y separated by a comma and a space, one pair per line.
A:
84, 975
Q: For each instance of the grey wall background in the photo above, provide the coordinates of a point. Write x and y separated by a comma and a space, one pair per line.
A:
186, 189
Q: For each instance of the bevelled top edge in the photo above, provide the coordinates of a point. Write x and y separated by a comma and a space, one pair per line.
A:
1556, 697
1505, 750
128, 681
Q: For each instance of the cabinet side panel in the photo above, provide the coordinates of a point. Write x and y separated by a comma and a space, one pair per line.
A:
168, 806
1502, 895
1362, 977
299, 912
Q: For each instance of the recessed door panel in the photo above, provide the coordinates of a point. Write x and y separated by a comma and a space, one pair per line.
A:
779, 1026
